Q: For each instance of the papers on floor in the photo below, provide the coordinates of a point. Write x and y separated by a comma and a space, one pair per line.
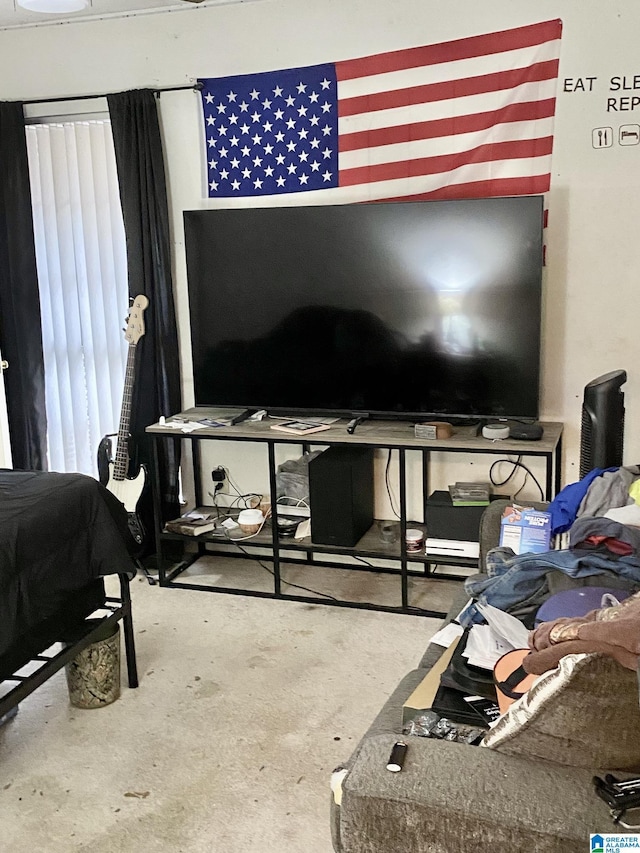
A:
487, 643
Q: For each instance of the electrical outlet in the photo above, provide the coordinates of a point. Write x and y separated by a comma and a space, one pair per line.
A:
219, 475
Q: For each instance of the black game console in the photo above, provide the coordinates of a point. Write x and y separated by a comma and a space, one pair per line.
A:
446, 521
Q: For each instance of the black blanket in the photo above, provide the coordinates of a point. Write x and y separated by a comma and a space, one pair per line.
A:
58, 533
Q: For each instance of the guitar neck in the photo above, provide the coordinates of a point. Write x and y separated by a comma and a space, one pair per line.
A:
121, 461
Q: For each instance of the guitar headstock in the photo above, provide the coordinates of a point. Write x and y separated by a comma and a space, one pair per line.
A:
135, 320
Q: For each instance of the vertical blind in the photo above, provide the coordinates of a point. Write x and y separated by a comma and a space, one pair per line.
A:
82, 273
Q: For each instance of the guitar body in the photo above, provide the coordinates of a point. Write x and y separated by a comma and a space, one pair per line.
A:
113, 471
128, 492
127, 489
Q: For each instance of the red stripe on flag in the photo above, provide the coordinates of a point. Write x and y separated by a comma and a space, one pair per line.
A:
495, 187
430, 92
527, 111
511, 150
450, 51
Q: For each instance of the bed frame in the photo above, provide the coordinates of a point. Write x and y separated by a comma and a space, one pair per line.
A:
61, 535
38, 655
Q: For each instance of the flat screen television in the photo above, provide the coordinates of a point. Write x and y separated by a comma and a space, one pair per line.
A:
425, 309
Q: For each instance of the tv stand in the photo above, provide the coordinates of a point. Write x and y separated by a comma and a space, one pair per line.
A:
397, 437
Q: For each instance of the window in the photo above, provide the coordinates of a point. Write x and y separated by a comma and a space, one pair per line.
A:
82, 273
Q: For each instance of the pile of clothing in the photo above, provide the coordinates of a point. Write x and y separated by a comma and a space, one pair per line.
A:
613, 631
600, 514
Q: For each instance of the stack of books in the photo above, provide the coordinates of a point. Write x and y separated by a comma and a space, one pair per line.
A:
470, 494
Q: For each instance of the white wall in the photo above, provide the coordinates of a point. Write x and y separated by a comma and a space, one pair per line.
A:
590, 323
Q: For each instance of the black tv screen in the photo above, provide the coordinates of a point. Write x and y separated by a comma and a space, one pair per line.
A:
407, 309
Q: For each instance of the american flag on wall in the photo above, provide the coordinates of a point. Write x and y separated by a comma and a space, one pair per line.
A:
464, 118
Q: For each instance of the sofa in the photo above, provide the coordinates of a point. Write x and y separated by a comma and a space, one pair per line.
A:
456, 798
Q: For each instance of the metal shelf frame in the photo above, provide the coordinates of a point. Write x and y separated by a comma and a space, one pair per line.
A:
394, 436
57, 654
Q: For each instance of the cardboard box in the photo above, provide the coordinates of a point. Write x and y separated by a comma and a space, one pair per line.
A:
422, 697
525, 530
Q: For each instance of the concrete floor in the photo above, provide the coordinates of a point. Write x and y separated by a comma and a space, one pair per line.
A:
245, 706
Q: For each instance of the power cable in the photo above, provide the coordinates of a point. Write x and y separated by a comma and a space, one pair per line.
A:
272, 573
235, 503
515, 463
388, 485
236, 542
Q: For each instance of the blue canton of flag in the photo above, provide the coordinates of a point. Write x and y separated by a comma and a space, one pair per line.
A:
271, 133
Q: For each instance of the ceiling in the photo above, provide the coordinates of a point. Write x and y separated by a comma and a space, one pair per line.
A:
12, 15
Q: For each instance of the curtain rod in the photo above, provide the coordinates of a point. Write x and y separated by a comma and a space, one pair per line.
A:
196, 87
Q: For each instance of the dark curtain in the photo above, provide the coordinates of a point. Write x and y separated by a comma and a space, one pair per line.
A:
20, 329
143, 194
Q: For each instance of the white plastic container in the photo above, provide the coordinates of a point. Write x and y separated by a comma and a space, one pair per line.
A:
414, 539
250, 520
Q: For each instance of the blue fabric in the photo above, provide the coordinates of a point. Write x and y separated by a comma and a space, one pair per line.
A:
564, 507
513, 580
288, 131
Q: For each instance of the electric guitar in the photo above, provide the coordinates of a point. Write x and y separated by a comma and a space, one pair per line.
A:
114, 471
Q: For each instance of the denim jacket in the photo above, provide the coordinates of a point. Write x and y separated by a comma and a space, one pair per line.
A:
518, 582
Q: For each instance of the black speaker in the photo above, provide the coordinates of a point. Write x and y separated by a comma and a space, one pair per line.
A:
525, 432
602, 431
341, 495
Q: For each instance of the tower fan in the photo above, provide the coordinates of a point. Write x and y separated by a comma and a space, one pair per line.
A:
602, 432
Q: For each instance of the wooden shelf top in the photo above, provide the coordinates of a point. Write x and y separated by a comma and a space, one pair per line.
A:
377, 433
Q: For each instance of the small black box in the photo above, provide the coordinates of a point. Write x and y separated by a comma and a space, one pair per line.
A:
525, 432
446, 521
341, 495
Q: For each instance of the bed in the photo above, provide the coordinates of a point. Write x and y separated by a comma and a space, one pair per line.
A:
60, 536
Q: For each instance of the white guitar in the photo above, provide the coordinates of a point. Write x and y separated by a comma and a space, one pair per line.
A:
127, 489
